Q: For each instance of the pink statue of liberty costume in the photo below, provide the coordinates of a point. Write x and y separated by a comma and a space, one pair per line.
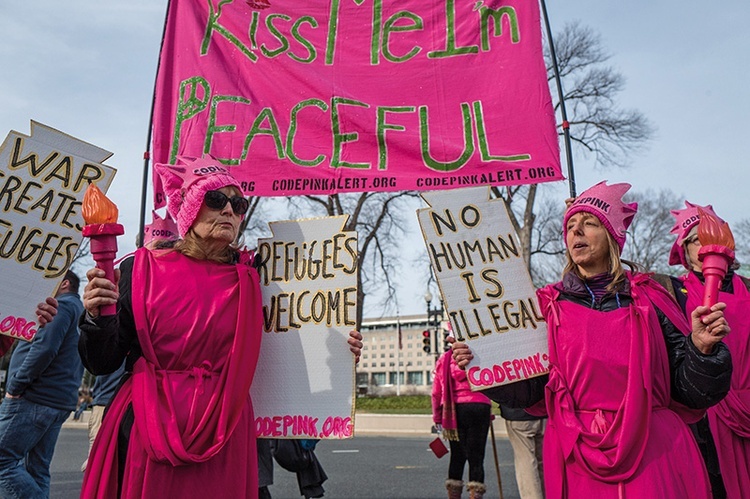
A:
724, 435
729, 420
624, 380
181, 424
613, 429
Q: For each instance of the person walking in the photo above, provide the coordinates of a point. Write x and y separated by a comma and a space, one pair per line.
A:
627, 371
464, 417
724, 434
42, 390
526, 433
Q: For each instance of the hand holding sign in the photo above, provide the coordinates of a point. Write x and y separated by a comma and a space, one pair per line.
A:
486, 287
42, 177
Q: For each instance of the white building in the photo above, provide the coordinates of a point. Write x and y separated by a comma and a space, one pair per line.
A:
385, 368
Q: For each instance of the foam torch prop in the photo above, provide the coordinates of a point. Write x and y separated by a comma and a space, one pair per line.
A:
716, 253
100, 215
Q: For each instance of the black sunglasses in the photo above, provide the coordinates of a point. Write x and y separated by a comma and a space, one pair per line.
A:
217, 200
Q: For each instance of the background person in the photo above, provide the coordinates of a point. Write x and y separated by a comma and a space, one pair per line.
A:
42, 390
625, 367
724, 434
464, 417
526, 433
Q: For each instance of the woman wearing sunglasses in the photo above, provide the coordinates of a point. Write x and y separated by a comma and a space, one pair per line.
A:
724, 434
189, 327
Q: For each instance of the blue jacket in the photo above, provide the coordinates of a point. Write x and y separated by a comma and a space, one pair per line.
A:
48, 370
106, 385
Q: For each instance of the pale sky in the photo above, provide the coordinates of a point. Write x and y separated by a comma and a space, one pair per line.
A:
87, 68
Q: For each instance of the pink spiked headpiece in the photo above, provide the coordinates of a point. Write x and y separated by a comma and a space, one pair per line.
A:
605, 203
160, 228
685, 220
187, 182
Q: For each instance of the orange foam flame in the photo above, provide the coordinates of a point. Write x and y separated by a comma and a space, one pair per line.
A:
97, 208
712, 231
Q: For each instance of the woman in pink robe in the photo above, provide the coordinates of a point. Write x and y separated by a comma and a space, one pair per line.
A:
624, 376
189, 323
724, 434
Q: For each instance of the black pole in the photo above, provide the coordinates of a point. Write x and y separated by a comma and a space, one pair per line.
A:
146, 155
564, 114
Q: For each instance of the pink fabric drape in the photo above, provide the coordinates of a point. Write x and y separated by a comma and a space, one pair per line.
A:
611, 430
200, 337
729, 420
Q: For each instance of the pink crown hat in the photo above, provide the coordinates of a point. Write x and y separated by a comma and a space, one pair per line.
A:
160, 229
605, 203
685, 220
186, 183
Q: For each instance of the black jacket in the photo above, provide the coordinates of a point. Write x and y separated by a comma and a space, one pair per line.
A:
698, 381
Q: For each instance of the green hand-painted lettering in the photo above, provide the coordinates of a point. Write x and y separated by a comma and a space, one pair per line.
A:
212, 25
213, 129
497, 25
341, 138
293, 131
450, 39
333, 20
276, 34
390, 27
382, 126
482, 136
468, 142
266, 114
312, 53
189, 105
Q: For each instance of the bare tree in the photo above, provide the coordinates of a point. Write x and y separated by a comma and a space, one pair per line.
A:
255, 223
649, 237
741, 233
597, 124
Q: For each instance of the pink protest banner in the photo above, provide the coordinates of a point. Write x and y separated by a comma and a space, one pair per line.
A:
312, 97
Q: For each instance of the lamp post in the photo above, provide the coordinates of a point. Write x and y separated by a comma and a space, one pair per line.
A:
437, 314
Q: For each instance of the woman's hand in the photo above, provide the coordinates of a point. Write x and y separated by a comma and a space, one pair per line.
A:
709, 327
99, 291
355, 344
462, 354
46, 311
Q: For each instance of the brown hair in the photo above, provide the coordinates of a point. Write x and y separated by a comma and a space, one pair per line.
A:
616, 269
191, 246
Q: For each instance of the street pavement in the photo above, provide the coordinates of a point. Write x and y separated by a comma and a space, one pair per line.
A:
393, 466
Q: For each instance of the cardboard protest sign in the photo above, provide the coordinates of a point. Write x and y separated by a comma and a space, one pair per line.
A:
304, 383
491, 302
311, 97
43, 177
